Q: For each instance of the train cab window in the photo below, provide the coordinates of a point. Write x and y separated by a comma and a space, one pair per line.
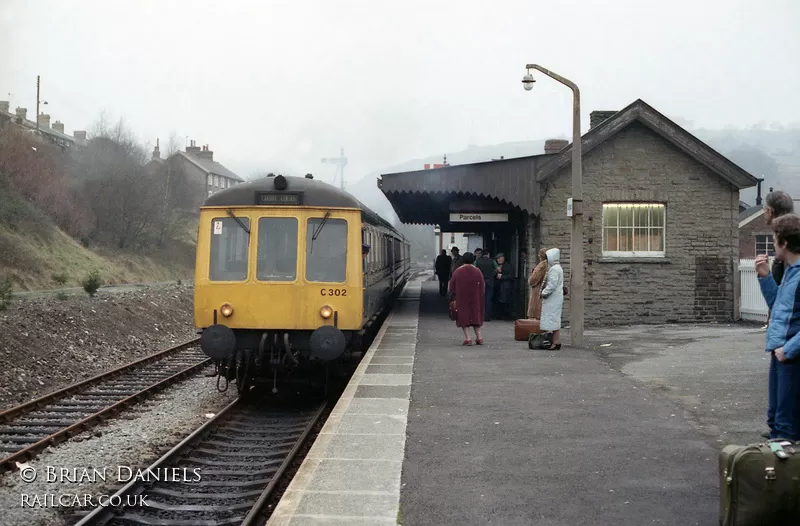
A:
229, 249
277, 249
326, 250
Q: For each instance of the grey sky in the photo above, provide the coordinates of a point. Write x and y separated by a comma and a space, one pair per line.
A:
277, 85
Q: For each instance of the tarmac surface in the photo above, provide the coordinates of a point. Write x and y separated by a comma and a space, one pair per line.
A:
626, 431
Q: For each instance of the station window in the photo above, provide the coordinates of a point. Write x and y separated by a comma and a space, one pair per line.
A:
230, 244
634, 229
764, 245
326, 250
210, 180
277, 249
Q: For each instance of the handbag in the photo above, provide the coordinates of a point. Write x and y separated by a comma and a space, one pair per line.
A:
453, 310
542, 341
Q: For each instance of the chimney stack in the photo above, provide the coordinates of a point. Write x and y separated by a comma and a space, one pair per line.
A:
22, 113
4, 105
44, 120
58, 126
596, 117
156, 151
80, 136
555, 145
758, 191
205, 153
192, 149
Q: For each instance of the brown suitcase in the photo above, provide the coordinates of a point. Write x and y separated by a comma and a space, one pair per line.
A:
524, 328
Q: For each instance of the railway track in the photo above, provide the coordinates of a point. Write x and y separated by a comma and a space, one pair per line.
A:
28, 429
223, 473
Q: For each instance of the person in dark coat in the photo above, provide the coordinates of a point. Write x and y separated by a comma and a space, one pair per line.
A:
442, 269
457, 260
487, 266
504, 284
467, 290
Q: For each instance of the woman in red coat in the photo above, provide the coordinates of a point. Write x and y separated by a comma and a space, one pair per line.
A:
467, 289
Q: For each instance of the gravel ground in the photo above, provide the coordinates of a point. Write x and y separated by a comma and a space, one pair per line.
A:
47, 344
151, 428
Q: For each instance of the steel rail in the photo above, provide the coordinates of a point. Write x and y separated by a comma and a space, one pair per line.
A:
9, 463
101, 515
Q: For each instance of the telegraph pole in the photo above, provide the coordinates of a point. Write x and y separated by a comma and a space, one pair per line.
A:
37, 104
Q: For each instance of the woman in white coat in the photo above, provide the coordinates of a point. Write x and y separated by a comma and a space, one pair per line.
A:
553, 297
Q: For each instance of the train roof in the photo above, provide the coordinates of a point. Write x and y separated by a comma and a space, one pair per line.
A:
302, 191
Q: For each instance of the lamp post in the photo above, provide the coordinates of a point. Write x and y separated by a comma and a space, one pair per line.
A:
576, 305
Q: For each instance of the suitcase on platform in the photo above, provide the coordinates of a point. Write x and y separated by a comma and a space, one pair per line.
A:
760, 484
524, 328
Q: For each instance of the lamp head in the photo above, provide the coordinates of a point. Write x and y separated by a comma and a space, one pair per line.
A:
527, 81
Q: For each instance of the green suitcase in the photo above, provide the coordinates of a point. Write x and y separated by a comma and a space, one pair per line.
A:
760, 484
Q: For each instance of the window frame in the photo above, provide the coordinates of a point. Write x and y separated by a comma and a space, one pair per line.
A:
307, 239
644, 254
297, 254
247, 250
769, 242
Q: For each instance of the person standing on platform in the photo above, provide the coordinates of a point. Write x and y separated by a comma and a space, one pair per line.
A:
553, 297
536, 282
442, 268
783, 334
467, 290
457, 260
487, 266
505, 286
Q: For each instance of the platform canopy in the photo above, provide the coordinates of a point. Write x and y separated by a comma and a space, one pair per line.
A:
428, 197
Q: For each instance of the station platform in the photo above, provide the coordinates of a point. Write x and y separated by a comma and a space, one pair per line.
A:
497, 434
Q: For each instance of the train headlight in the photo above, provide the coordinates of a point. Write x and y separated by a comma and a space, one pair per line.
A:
226, 310
326, 312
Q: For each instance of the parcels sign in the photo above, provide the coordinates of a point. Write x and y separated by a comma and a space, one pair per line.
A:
478, 217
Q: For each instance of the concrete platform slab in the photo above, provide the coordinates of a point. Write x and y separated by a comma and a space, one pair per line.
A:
351, 475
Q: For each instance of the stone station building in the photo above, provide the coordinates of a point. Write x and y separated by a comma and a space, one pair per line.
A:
661, 216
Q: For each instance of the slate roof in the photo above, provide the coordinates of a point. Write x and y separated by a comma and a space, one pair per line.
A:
31, 125
750, 213
210, 167
641, 112
417, 195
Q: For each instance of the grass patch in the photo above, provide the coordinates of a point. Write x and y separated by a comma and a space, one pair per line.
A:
36, 255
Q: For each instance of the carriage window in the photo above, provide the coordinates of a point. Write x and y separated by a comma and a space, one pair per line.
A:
277, 249
326, 256
229, 249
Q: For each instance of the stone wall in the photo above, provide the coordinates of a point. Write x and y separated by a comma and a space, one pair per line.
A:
694, 282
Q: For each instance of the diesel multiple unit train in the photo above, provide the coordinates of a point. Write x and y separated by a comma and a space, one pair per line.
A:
290, 273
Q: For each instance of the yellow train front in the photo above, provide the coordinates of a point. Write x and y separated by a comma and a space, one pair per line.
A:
290, 273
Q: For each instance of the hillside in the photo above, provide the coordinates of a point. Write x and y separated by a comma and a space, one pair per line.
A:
33, 250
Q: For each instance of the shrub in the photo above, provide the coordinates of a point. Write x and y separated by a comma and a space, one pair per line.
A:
91, 282
61, 295
60, 279
6, 286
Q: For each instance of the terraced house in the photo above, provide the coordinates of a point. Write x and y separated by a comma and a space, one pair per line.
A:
661, 216
198, 162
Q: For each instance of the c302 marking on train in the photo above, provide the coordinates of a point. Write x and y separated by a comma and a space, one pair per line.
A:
333, 292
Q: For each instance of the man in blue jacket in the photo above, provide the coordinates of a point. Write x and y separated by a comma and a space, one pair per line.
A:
783, 334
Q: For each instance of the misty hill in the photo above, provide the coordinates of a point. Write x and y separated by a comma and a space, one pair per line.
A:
773, 154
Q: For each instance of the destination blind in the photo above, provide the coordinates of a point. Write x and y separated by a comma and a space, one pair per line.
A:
278, 198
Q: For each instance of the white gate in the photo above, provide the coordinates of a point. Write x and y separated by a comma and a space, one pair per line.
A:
752, 304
